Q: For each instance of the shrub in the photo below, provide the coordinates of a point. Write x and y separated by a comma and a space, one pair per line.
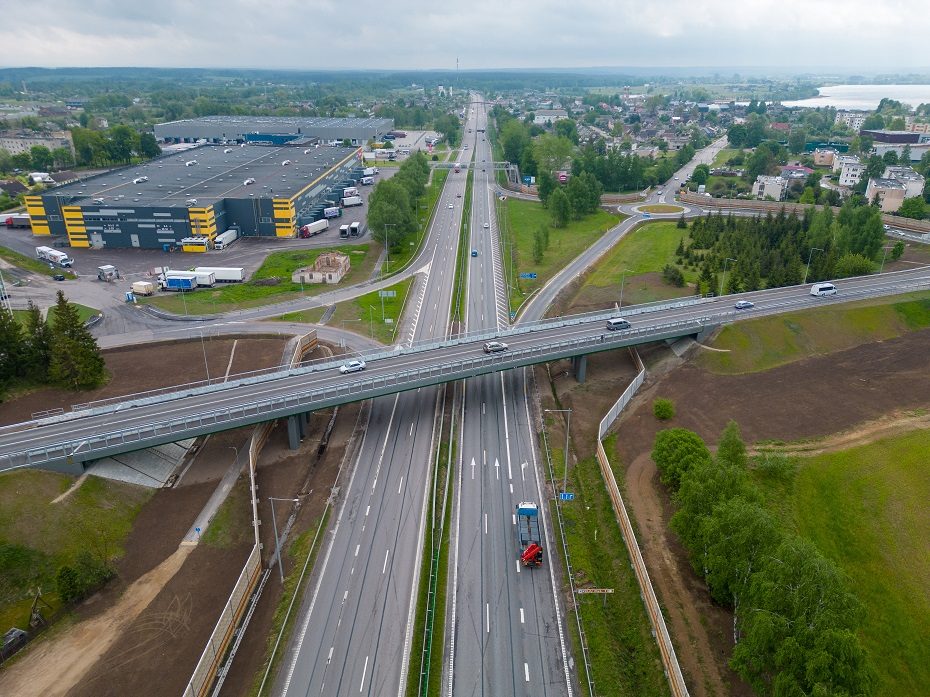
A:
664, 409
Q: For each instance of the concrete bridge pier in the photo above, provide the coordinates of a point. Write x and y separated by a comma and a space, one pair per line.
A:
580, 366
293, 432
72, 465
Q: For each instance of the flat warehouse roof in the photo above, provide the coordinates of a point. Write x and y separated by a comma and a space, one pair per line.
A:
279, 124
217, 175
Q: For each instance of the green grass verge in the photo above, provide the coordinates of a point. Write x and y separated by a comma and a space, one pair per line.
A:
767, 342
281, 265
624, 656
866, 509
29, 264
519, 221
661, 208
362, 315
298, 551
84, 314
37, 537
720, 159
231, 525
461, 258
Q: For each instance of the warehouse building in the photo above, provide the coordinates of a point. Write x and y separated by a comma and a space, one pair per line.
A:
272, 129
184, 200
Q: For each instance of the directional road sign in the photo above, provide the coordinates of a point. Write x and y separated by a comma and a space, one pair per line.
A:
567, 496
528, 274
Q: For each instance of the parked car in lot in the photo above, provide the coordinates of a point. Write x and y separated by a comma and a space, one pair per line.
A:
352, 366
744, 305
495, 347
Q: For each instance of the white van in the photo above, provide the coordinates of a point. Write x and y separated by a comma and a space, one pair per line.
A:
821, 289
617, 323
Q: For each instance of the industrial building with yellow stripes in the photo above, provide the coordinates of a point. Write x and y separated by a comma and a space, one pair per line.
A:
183, 200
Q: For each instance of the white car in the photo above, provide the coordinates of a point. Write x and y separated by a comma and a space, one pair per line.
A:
139, 180
451, 206
495, 347
352, 366
248, 181
487, 225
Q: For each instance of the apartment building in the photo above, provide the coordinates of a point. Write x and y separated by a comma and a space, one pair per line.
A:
16, 143
913, 182
850, 169
853, 119
774, 187
889, 192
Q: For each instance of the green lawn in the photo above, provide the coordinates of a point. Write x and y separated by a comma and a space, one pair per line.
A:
764, 343
84, 313
398, 260
519, 221
624, 656
720, 159
363, 314
866, 509
727, 185
37, 537
231, 296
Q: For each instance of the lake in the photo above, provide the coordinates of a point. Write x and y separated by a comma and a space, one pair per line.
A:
864, 97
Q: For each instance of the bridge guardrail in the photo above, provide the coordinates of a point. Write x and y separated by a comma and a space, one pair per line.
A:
309, 399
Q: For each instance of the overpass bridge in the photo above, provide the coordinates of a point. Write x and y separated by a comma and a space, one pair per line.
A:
68, 440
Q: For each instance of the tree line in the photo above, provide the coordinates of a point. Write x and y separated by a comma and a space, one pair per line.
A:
795, 622
392, 207
57, 350
781, 249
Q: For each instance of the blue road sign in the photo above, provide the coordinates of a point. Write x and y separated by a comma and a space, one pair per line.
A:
567, 496
528, 274
513, 315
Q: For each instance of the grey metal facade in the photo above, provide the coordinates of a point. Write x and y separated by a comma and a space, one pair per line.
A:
235, 129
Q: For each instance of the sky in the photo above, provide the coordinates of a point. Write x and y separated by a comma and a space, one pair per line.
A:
430, 34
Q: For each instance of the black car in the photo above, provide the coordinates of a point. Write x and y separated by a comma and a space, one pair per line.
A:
58, 277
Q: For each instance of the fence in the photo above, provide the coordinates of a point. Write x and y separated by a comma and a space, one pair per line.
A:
207, 667
918, 226
669, 659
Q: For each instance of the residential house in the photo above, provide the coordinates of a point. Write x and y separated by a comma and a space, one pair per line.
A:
770, 187
888, 192
823, 157
795, 172
850, 169
13, 187
913, 182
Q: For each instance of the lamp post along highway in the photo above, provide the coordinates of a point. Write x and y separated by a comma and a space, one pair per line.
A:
622, 280
809, 256
277, 543
884, 254
387, 248
724, 276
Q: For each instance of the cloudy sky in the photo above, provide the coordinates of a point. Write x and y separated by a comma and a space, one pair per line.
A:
400, 34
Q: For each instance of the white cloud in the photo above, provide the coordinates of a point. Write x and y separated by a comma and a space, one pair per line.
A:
482, 33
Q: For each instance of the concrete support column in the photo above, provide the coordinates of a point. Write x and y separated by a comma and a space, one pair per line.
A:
581, 367
301, 425
293, 433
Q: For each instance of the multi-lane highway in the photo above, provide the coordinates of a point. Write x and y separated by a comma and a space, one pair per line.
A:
354, 632
504, 633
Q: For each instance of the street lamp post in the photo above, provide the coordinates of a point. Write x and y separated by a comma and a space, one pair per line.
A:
884, 254
622, 279
342, 340
724, 276
371, 321
809, 256
203, 346
387, 247
568, 427
277, 543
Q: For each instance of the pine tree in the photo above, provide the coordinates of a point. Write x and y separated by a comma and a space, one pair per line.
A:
75, 360
11, 348
37, 344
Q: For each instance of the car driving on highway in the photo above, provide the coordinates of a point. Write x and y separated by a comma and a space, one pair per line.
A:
744, 305
495, 347
352, 366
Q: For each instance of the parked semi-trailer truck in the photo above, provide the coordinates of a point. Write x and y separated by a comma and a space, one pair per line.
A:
349, 191
18, 220
177, 280
314, 228
54, 256
224, 239
332, 212
350, 201
223, 274
531, 551
370, 171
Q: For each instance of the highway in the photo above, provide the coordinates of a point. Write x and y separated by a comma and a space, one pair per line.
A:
354, 631
504, 633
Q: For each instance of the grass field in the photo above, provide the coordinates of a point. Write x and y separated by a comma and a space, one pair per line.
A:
764, 343
207, 301
866, 509
728, 185
720, 159
363, 314
84, 313
37, 537
624, 656
519, 221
